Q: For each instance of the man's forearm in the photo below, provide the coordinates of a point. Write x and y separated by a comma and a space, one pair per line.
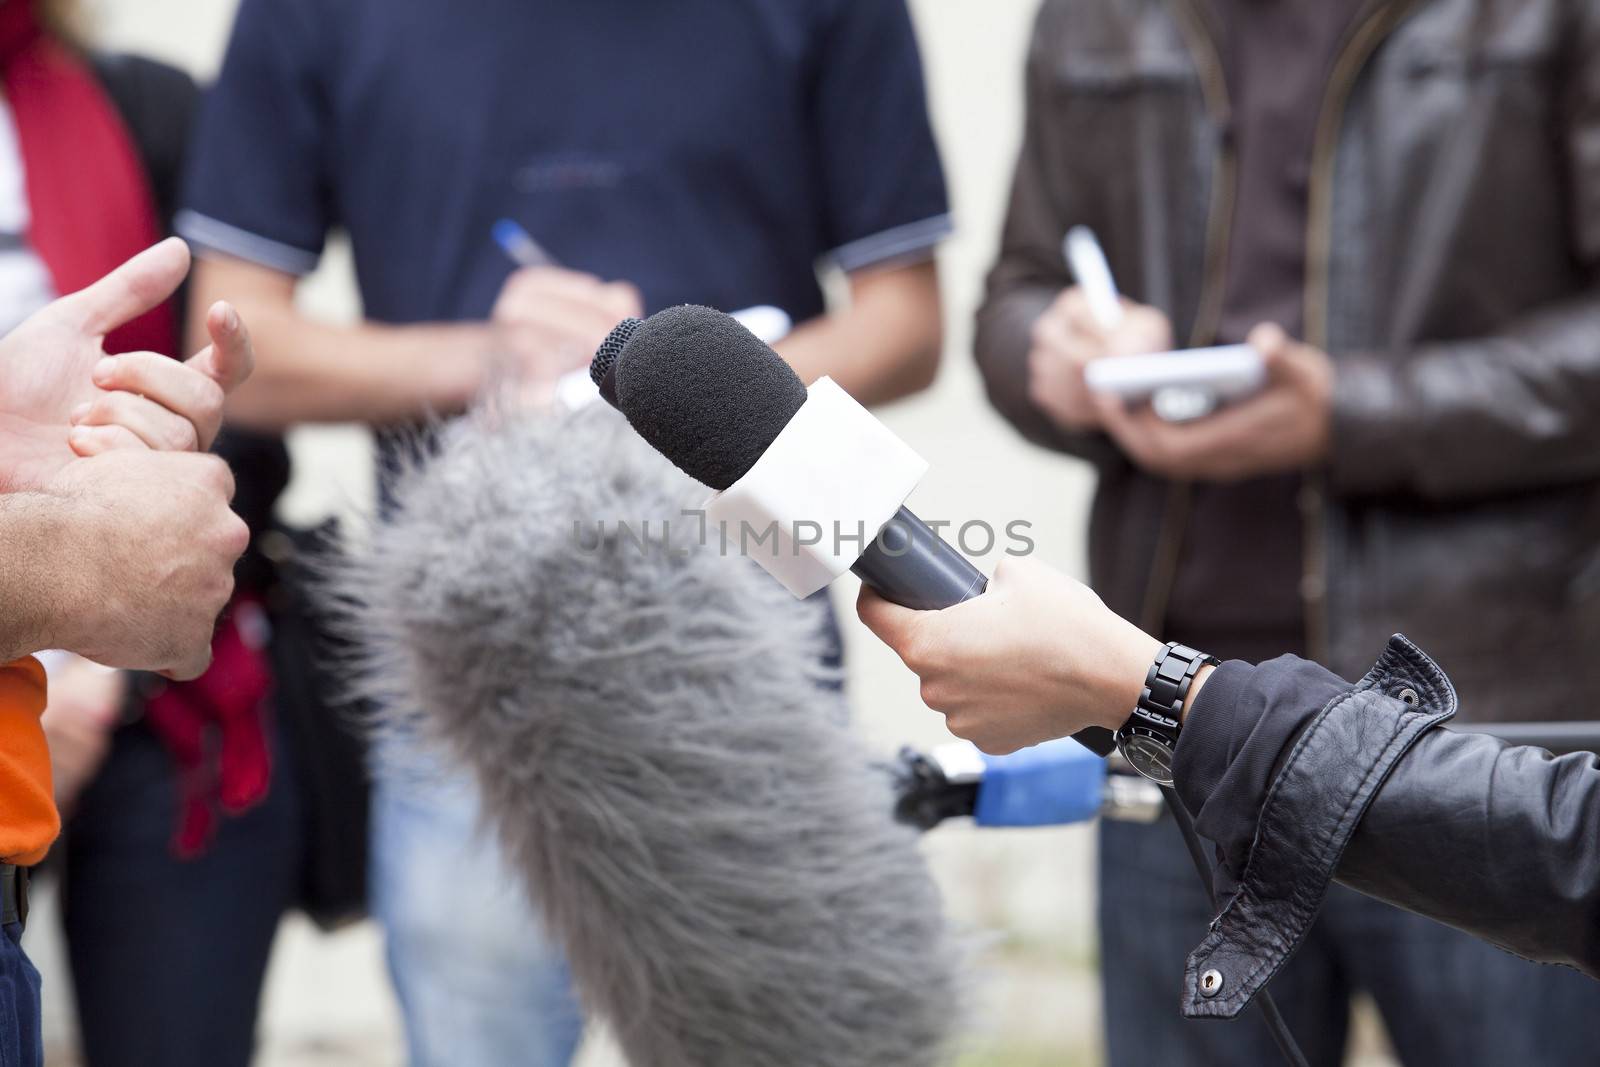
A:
35, 539
311, 371
884, 346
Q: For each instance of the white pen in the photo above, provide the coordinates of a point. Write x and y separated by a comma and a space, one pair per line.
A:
1088, 264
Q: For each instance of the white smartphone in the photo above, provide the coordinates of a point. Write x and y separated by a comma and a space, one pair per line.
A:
1227, 372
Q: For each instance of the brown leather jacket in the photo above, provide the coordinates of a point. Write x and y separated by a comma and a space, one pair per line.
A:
1453, 240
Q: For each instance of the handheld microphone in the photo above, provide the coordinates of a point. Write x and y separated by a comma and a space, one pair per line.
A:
729, 412
1052, 784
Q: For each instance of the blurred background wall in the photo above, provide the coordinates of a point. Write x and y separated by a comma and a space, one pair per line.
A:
327, 998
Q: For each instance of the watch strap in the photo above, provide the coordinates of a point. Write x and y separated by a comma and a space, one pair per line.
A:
1167, 684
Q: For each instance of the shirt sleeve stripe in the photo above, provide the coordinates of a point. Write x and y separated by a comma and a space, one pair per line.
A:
903, 242
214, 235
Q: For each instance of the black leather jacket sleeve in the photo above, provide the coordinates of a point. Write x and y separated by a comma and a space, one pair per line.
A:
1498, 840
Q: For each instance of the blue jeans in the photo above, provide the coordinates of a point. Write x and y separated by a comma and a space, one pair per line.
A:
21, 1043
479, 983
1445, 997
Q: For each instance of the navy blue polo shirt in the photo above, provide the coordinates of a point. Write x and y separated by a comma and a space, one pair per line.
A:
709, 151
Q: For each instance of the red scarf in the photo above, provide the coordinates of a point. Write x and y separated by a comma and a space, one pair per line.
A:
215, 729
90, 200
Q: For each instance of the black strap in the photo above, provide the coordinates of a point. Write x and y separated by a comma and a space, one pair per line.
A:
13, 894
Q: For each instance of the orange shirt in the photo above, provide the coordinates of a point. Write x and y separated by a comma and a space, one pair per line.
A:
29, 821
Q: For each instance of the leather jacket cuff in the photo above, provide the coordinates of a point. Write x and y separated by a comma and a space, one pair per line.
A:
1236, 735
1313, 806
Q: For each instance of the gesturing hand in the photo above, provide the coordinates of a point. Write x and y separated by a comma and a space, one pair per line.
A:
60, 395
151, 401
152, 546
1036, 657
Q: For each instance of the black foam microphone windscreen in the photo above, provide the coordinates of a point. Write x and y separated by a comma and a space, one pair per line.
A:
675, 374
656, 752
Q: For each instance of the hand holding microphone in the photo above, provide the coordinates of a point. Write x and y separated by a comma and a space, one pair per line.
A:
1037, 657
728, 411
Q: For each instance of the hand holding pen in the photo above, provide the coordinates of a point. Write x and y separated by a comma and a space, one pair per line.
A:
551, 318
1086, 322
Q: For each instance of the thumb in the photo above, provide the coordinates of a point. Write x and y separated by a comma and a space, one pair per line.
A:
1015, 573
230, 358
891, 623
1277, 351
142, 283
1271, 341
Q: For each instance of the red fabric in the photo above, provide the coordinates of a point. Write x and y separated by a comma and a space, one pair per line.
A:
90, 199
215, 729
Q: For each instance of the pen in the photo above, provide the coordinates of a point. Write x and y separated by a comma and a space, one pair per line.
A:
519, 244
1087, 261
1088, 264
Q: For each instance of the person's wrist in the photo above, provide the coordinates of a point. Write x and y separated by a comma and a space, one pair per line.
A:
76, 573
1195, 686
1081, 415
1126, 680
1072, 410
457, 367
44, 539
1140, 653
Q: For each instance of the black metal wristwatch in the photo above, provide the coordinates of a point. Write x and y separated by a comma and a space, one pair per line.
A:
1150, 736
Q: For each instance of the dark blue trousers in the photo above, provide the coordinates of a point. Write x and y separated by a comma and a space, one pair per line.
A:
168, 955
1445, 997
21, 1044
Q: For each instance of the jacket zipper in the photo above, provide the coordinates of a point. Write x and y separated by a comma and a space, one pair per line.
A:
1213, 86
1371, 30
1219, 227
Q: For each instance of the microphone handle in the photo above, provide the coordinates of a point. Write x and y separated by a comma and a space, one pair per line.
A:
908, 564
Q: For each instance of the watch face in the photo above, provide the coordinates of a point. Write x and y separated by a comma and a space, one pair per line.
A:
1150, 757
